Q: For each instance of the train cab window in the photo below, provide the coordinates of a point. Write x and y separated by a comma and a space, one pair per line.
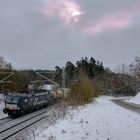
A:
9, 98
12, 99
15, 100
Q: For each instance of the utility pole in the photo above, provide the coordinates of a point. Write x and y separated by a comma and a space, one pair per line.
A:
63, 78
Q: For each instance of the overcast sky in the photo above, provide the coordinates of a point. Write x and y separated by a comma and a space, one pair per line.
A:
45, 33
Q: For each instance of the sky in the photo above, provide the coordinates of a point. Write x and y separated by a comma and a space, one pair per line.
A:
46, 33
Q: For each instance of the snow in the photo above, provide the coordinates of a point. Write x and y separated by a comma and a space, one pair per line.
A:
2, 115
135, 100
100, 120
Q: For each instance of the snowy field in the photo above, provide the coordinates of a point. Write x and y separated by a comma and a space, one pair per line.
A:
100, 120
2, 115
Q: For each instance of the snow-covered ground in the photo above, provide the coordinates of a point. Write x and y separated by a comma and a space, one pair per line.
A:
2, 115
100, 120
135, 100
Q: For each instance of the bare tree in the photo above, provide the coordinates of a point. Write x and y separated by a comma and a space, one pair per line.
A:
135, 67
1, 61
122, 69
4, 64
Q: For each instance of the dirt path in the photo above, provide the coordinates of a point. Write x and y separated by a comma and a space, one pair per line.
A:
129, 106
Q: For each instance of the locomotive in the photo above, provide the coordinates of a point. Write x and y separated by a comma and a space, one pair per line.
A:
20, 104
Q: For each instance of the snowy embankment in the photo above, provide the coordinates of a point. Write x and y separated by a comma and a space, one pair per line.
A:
2, 115
135, 100
100, 120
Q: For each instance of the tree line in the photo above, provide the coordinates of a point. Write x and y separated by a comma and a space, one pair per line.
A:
109, 82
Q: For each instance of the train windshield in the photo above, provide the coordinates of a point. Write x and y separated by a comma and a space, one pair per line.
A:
12, 99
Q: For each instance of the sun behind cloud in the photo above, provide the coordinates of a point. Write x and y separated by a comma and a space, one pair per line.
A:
68, 12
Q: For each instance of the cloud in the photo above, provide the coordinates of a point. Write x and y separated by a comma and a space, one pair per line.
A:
114, 22
108, 23
71, 13
68, 11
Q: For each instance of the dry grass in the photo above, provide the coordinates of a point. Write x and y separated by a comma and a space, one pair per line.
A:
82, 92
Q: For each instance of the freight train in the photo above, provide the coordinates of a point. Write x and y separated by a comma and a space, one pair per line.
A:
20, 104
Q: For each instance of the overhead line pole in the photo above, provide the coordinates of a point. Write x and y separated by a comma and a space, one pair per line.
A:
46, 78
63, 78
3, 80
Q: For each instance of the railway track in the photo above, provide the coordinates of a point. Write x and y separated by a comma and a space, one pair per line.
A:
5, 120
13, 127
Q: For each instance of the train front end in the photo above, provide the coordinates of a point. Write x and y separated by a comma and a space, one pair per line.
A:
12, 105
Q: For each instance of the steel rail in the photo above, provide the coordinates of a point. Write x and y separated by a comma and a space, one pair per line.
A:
17, 125
5, 120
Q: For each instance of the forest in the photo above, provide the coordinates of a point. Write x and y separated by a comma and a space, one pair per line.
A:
125, 81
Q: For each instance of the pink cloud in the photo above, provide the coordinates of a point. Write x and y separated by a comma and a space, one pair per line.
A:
68, 11
108, 23
113, 22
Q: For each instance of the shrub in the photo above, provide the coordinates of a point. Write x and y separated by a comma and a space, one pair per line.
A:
83, 91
